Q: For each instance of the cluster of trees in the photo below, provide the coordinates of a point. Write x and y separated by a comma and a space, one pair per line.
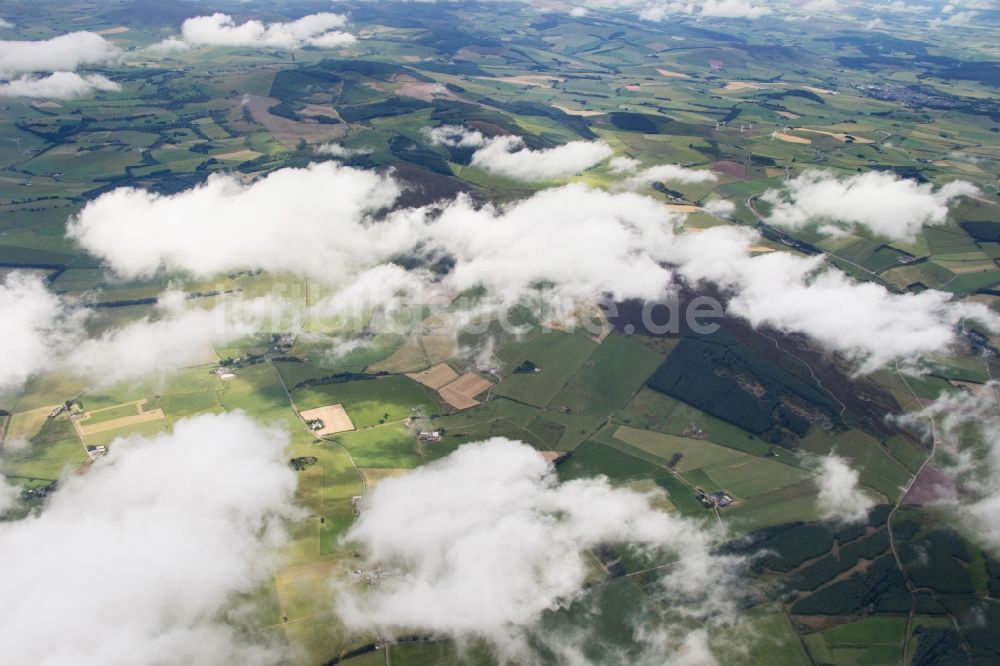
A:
704, 371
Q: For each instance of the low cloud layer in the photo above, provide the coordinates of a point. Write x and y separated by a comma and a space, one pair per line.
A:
487, 540
58, 85
178, 337
35, 328
585, 242
581, 242
154, 544
733, 9
967, 426
9, 496
39, 333
508, 156
889, 206
637, 177
64, 53
863, 321
659, 10
315, 30
225, 225
840, 499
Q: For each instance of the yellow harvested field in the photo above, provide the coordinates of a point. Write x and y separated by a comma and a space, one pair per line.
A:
113, 31
141, 416
839, 136
577, 112
27, 424
435, 376
239, 155
461, 393
683, 208
759, 85
334, 418
788, 114
791, 138
541, 80
758, 249
672, 75
742, 85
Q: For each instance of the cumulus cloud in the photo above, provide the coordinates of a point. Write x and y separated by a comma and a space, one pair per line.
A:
733, 9
5, 24
614, 244
508, 156
455, 136
225, 225
966, 425
35, 328
180, 337
863, 321
673, 173
487, 540
156, 541
40, 333
821, 6
340, 151
840, 498
10, 496
63, 53
585, 242
58, 85
719, 207
316, 30
957, 19
883, 203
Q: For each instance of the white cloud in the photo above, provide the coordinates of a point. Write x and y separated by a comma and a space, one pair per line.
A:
316, 30
225, 225
733, 9
840, 498
958, 19
10, 496
4, 24
487, 540
862, 321
58, 85
340, 151
180, 337
821, 6
455, 136
661, 172
967, 426
508, 156
155, 542
578, 12
585, 241
35, 328
719, 207
582, 243
883, 203
63, 53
